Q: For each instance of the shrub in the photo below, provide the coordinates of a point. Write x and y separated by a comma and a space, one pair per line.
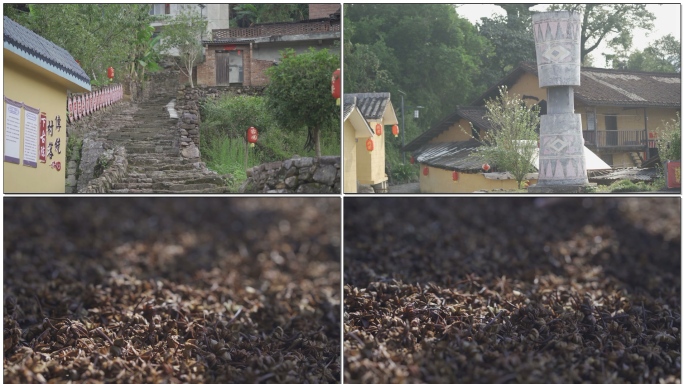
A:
628, 186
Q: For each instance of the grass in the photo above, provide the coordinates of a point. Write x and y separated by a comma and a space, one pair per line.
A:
225, 122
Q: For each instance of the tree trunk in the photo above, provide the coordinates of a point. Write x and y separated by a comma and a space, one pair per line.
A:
317, 141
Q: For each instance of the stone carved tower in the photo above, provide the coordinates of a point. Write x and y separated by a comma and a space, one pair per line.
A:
562, 166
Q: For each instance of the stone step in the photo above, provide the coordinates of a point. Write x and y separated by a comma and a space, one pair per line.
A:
152, 149
153, 162
215, 190
163, 167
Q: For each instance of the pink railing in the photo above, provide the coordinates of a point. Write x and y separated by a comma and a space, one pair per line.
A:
85, 104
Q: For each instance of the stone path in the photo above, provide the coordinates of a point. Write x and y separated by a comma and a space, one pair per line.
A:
155, 165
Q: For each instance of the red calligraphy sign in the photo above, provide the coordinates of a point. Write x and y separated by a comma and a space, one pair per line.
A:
42, 137
674, 174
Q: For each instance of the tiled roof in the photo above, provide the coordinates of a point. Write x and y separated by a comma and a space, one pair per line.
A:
49, 55
629, 89
454, 156
476, 115
610, 87
371, 105
634, 174
349, 103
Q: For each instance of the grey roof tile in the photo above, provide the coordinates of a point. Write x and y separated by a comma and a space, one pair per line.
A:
30, 42
371, 105
610, 87
476, 115
453, 156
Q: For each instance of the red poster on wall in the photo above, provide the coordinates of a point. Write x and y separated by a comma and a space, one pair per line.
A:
674, 174
42, 139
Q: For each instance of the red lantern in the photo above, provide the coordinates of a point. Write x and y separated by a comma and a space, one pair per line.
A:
454, 176
378, 129
426, 171
485, 167
252, 136
369, 144
395, 130
335, 84
110, 73
412, 160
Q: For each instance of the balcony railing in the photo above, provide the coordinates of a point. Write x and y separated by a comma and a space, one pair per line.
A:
276, 29
616, 139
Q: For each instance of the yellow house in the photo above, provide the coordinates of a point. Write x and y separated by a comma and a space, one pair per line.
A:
356, 129
612, 104
377, 110
37, 74
443, 153
620, 109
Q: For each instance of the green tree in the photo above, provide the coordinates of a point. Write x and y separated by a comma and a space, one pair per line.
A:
98, 35
362, 69
663, 55
247, 15
612, 23
426, 50
299, 93
511, 144
669, 140
511, 42
144, 54
183, 35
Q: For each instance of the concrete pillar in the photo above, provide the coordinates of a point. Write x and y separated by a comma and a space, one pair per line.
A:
562, 166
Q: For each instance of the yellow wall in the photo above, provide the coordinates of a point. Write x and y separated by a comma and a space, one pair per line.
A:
440, 181
528, 84
39, 90
350, 157
454, 133
370, 167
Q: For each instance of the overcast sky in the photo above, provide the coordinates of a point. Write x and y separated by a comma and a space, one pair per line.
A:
668, 21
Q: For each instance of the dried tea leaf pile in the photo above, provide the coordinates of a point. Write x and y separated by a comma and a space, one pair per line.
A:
171, 290
512, 290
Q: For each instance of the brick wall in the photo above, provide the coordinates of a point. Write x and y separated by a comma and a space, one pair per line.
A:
259, 67
206, 72
319, 11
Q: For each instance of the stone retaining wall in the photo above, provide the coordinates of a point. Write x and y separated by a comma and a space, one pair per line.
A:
114, 172
296, 175
189, 118
79, 173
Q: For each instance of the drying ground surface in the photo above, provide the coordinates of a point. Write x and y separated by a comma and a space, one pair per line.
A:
151, 290
512, 290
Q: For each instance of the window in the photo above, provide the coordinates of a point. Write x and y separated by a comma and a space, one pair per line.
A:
591, 121
160, 9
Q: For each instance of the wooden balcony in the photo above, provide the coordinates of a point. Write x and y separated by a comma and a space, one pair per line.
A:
617, 140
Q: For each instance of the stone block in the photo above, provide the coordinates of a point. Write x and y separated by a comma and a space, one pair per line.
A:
314, 188
325, 174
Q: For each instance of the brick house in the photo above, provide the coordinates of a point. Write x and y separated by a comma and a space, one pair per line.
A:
241, 56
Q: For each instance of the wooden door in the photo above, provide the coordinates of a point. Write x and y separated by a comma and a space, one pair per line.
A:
611, 131
222, 59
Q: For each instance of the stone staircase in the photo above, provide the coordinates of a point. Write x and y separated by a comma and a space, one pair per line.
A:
636, 159
155, 165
